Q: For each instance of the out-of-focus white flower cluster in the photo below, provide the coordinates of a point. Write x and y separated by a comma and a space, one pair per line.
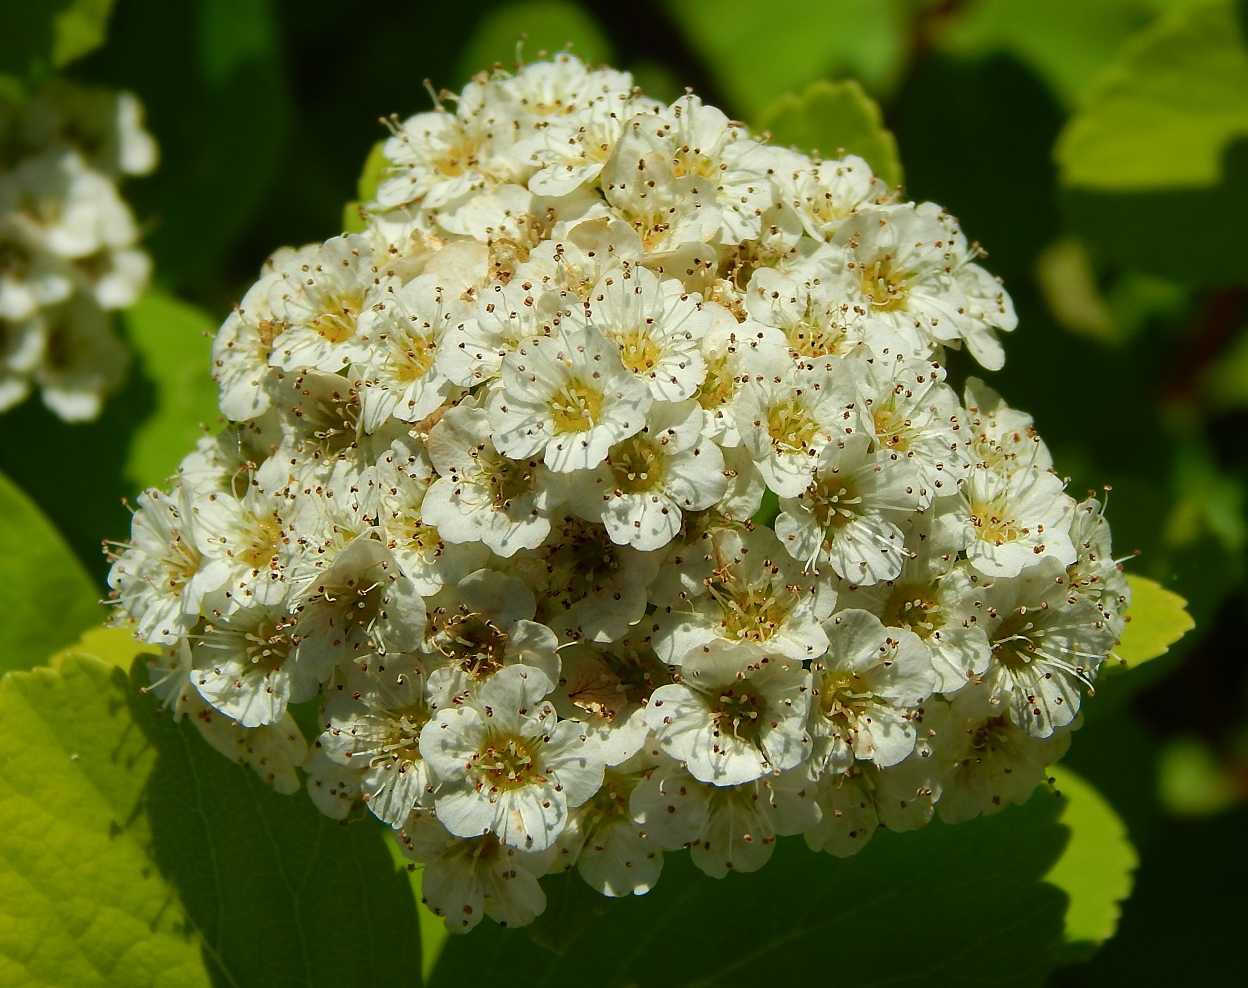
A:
68, 243
487, 498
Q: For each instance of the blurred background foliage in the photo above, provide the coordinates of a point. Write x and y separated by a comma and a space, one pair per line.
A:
1097, 148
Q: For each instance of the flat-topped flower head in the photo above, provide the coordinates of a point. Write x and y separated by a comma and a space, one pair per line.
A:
607, 495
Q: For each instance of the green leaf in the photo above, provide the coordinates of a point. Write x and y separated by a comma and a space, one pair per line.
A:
1164, 114
1161, 145
173, 340
80, 28
1156, 619
329, 904
42, 35
546, 26
133, 854
1192, 780
112, 646
81, 902
758, 54
967, 904
46, 597
834, 116
1096, 869
1067, 42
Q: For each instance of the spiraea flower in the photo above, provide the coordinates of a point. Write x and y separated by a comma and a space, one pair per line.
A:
69, 253
607, 498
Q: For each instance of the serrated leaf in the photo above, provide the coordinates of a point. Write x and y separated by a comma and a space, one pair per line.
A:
80, 901
546, 26
1096, 869
173, 341
757, 55
46, 596
1164, 113
834, 116
1067, 42
1162, 144
1157, 618
132, 854
967, 902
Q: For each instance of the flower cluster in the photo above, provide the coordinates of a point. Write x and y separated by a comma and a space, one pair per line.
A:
607, 498
68, 253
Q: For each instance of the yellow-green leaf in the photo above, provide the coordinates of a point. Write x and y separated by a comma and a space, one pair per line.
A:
1156, 619
112, 646
1163, 115
78, 29
831, 117
81, 902
46, 597
1096, 870
173, 339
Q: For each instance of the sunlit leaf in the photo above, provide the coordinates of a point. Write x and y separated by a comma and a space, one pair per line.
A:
1193, 781
835, 116
1067, 42
46, 596
114, 646
132, 854
1157, 619
81, 901
173, 341
757, 54
1163, 115
1161, 144
1096, 869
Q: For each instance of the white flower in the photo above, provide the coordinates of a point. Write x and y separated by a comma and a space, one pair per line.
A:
505, 315
787, 416
568, 398
373, 727
727, 828
914, 416
1007, 523
479, 626
244, 666
607, 687
736, 714
404, 477
84, 360
399, 334
161, 578
988, 761
1047, 641
464, 880
867, 693
1096, 572
849, 517
1001, 438
241, 349
606, 846
587, 587
743, 588
318, 297
509, 766
641, 488
657, 327
483, 496
358, 606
